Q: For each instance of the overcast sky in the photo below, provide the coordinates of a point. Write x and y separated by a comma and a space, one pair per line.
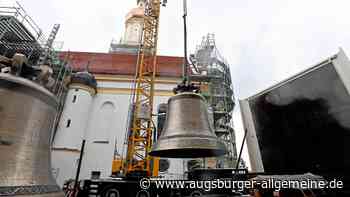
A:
265, 41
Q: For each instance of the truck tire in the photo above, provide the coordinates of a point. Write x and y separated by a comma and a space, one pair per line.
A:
196, 193
110, 192
143, 193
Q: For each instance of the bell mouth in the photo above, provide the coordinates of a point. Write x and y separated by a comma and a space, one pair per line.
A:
188, 147
187, 153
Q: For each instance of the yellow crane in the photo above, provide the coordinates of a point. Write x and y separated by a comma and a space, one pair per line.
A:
140, 135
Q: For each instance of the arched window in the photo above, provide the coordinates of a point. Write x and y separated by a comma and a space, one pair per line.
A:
104, 122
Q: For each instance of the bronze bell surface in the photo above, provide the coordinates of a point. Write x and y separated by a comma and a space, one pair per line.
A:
27, 112
187, 132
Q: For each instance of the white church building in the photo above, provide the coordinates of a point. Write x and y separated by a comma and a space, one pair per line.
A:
97, 104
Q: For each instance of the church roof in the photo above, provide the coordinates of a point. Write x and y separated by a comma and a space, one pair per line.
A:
120, 64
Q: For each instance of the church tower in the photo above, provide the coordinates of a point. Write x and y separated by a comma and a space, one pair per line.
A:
73, 125
134, 24
133, 31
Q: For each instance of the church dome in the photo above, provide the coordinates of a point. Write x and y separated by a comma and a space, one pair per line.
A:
84, 78
135, 12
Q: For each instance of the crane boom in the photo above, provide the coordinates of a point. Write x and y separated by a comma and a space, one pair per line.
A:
140, 136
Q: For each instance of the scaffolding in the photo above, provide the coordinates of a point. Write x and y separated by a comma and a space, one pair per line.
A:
212, 72
19, 33
47, 48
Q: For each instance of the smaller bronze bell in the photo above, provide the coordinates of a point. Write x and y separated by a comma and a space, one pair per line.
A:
187, 132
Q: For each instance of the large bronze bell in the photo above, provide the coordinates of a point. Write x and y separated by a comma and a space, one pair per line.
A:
187, 132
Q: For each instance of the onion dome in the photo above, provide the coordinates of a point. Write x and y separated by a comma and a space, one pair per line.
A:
84, 78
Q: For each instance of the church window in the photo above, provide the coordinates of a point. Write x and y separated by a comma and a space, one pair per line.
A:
68, 123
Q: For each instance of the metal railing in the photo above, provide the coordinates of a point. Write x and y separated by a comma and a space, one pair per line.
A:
21, 15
